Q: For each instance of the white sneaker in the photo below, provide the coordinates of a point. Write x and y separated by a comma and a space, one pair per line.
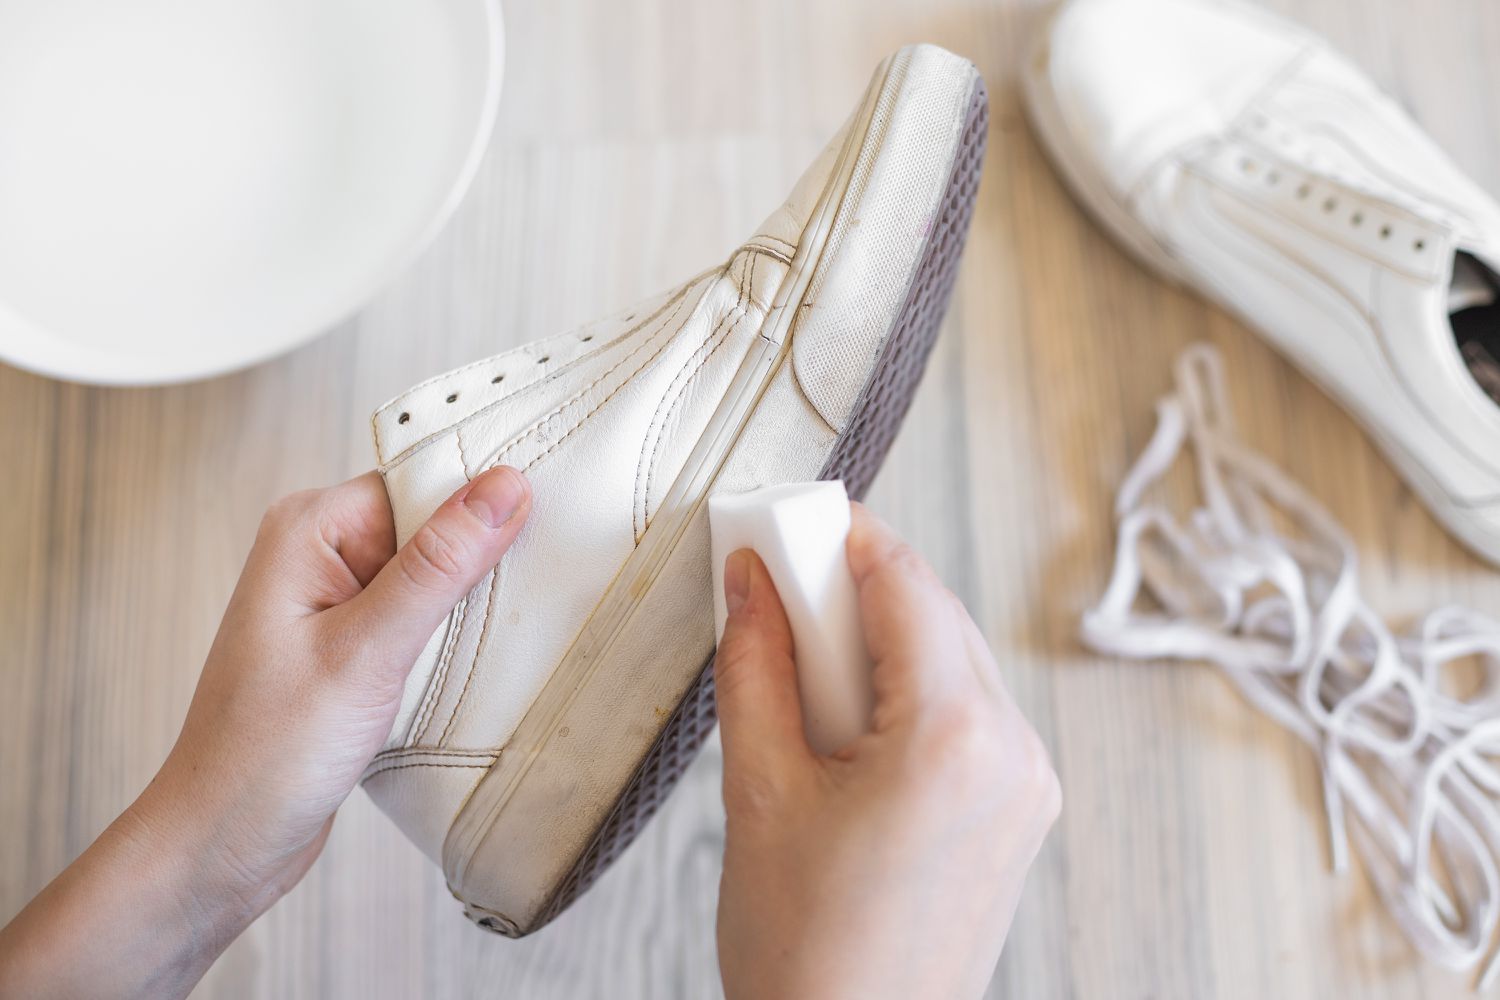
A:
1237, 154
559, 703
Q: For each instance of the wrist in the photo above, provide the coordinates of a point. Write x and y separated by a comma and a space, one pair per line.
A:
183, 838
146, 908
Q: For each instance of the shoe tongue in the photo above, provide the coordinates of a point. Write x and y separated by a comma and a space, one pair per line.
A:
1475, 317
1472, 284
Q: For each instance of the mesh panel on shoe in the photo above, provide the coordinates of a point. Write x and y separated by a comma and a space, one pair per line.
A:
878, 273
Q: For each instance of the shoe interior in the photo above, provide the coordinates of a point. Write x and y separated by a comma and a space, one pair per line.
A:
1474, 311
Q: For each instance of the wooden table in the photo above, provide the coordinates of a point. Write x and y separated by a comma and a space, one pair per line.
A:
637, 143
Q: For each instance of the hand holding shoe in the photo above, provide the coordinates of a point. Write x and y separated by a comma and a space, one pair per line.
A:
299, 692
889, 869
893, 867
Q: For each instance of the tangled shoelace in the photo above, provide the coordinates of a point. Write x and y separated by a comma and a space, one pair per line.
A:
1261, 581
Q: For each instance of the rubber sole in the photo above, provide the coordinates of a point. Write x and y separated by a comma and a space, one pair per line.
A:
856, 456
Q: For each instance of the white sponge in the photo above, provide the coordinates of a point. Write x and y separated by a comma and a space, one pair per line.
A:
799, 531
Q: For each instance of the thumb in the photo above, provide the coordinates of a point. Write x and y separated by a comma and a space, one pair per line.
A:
461, 542
755, 678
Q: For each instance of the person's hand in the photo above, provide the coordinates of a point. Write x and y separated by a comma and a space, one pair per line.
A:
300, 690
893, 867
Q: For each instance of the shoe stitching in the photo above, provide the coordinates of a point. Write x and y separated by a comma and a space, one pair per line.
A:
478, 652
430, 697
1424, 199
438, 684
1275, 82
531, 431
391, 759
765, 252
749, 294
484, 629
721, 340
1178, 153
583, 419
452, 372
409, 393
1418, 216
401, 753
401, 767
504, 394
774, 239
1265, 243
639, 497
676, 391
375, 431
463, 458
674, 303
455, 373
442, 688
775, 252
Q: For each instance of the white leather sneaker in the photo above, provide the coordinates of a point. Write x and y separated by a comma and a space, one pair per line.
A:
563, 697
1237, 154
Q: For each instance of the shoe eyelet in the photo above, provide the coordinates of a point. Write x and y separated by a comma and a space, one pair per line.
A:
1357, 219
1304, 190
544, 359
1330, 204
453, 398
403, 418
1385, 232
497, 380
1419, 245
588, 338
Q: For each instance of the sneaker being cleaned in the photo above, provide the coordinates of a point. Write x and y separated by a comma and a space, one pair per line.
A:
559, 703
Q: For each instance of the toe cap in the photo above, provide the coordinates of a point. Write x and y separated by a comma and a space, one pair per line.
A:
1132, 80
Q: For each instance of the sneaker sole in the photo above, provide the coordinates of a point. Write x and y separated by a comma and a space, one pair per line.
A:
855, 458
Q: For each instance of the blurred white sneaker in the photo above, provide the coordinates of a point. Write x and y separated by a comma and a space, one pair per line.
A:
559, 703
1236, 153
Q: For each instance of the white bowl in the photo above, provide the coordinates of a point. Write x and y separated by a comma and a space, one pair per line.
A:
191, 187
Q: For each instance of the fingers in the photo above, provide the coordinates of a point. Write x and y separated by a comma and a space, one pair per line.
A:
318, 548
760, 715
462, 541
913, 630
361, 527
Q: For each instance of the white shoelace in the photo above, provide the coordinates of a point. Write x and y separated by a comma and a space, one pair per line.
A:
1261, 581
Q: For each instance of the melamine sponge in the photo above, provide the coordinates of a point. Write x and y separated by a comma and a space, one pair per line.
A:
799, 531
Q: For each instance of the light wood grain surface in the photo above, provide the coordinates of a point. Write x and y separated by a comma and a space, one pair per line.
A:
638, 142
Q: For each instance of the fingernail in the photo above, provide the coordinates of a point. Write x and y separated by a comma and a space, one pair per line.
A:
495, 496
737, 580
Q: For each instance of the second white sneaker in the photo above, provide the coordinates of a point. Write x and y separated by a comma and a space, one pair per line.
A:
1236, 153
